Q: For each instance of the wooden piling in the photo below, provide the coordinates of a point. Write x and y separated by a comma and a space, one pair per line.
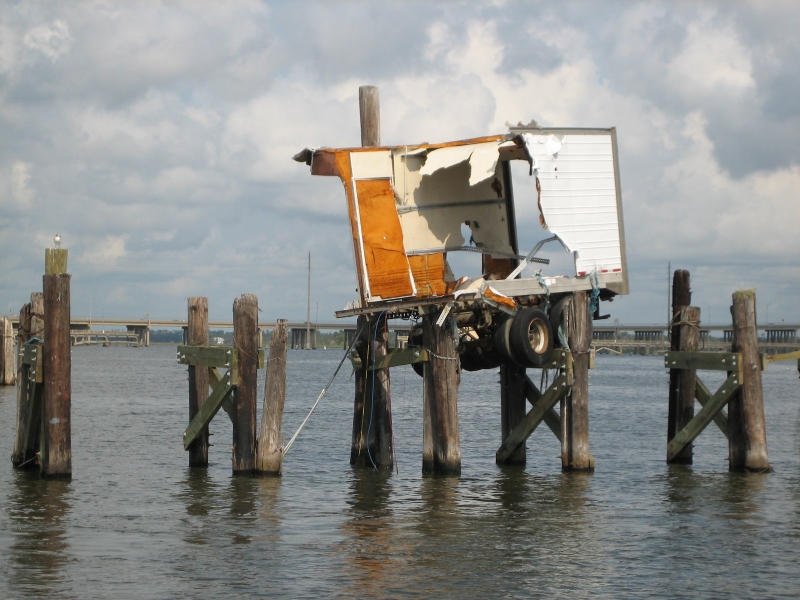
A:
270, 439
56, 453
683, 382
370, 111
372, 444
575, 406
441, 449
245, 341
681, 298
18, 457
7, 371
197, 335
747, 428
513, 385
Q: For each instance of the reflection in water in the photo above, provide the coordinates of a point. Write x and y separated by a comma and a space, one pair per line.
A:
242, 508
38, 511
740, 495
200, 495
372, 555
682, 485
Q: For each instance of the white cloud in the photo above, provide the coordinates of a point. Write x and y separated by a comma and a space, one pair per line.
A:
162, 134
105, 252
712, 61
53, 40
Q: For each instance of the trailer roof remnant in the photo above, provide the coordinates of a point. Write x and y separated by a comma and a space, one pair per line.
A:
407, 205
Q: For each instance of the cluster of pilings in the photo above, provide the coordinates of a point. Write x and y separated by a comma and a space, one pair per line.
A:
253, 452
743, 424
44, 389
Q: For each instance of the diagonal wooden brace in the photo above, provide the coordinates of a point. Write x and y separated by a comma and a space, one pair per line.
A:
535, 416
222, 390
703, 397
551, 418
701, 420
214, 377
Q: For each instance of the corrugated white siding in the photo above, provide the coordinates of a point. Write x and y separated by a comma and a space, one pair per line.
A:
579, 198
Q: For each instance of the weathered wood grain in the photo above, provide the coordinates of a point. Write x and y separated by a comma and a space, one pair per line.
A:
269, 455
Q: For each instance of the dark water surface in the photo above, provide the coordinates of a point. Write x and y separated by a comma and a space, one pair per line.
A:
136, 522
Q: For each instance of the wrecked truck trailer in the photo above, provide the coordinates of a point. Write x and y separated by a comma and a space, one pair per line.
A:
407, 205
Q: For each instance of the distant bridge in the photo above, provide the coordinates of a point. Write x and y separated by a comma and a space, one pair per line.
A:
647, 338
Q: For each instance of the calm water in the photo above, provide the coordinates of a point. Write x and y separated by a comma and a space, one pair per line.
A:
136, 522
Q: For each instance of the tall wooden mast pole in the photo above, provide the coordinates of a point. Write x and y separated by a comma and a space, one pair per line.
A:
308, 311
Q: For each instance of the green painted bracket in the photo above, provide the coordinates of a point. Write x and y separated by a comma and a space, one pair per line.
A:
787, 356
213, 356
35, 410
707, 361
558, 359
701, 420
534, 417
399, 357
222, 389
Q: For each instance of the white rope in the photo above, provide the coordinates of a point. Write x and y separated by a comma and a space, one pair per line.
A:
285, 449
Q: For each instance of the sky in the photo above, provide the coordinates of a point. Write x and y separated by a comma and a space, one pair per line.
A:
156, 138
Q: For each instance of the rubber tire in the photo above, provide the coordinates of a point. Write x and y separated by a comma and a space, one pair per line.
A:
523, 352
470, 361
502, 341
477, 359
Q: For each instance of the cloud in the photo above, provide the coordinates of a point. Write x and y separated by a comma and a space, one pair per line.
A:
158, 137
53, 40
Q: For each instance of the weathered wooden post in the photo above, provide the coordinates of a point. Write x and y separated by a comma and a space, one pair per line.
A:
56, 458
268, 454
747, 428
513, 382
683, 382
441, 447
18, 456
370, 111
575, 405
7, 373
681, 298
371, 445
245, 341
197, 335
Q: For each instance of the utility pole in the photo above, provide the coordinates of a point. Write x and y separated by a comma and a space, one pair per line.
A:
308, 312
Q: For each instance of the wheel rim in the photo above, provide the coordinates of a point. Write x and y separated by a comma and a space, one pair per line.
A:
538, 336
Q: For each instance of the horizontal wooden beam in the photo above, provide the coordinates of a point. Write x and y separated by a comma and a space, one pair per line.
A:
212, 356
525, 428
704, 397
399, 357
551, 418
701, 420
707, 361
222, 390
786, 356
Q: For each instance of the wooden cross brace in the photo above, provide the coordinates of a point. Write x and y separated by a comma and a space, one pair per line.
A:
542, 405
712, 405
222, 386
